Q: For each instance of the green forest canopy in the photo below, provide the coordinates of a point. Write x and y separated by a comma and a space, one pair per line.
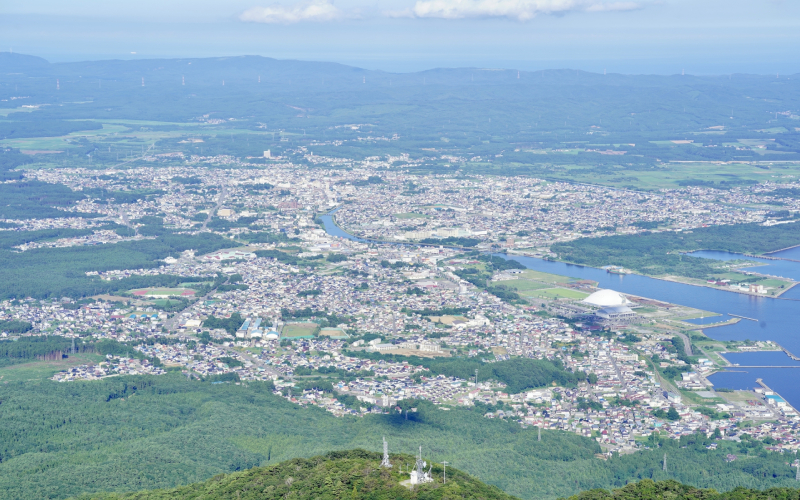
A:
336, 475
660, 253
142, 432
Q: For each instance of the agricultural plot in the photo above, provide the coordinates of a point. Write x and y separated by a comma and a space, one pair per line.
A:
41, 370
670, 175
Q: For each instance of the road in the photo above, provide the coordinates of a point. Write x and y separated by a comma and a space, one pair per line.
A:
223, 193
687, 344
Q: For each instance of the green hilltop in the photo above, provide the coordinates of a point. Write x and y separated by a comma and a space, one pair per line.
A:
357, 474
354, 474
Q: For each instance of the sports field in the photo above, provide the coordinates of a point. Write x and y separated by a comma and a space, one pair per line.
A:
163, 292
555, 293
295, 330
410, 215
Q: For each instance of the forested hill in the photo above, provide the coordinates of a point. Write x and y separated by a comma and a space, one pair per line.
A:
673, 490
354, 474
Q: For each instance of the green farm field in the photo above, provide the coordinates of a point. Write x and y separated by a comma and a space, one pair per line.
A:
41, 370
670, 175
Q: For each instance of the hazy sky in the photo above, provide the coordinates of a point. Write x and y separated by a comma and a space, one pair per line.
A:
627, 36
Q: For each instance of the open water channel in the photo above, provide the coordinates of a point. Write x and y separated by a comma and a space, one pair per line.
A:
776, 319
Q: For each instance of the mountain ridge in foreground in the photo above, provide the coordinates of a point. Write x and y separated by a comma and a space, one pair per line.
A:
357, 474
353, 474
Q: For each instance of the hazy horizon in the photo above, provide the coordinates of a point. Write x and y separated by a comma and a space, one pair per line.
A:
630, 37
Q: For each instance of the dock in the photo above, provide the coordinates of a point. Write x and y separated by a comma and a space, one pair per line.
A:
767, 366
766, 388
786, 351
742, 317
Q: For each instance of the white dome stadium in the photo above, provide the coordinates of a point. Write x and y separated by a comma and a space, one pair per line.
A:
606, 298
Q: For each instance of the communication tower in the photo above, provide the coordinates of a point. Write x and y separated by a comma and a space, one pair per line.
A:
385, 462
419, 475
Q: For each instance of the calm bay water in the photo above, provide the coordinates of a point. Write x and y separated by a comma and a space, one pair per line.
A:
762, 358
776, 319
781, 268
792, 253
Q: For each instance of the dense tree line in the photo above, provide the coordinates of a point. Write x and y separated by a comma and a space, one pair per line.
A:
61, 272
44, 128
158, 432
32, 199
660, 253
518, 373
230, 324
673, 490
32, 348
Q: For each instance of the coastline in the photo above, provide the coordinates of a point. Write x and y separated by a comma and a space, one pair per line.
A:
742, 292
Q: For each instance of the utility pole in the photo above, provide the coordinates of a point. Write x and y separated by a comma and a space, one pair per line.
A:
445, 471
539, 428
665, 463
476, 377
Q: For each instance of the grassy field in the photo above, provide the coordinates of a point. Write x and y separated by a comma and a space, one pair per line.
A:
410, 215
39, 370
162, 292
8, 111
524, 285
299, 330
555, 293
146, 123
545, 277
669, 175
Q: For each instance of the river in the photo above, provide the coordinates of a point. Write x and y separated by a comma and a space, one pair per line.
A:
776, 319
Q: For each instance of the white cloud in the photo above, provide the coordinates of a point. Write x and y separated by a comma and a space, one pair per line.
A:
520, 10
316, 10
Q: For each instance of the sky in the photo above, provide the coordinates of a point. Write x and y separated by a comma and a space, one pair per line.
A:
619, 36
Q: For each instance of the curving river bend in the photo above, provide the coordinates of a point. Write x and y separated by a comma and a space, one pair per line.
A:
777, 319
